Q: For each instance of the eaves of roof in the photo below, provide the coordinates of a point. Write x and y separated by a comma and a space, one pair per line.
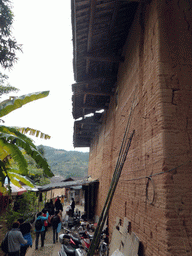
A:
100, 29
67, 184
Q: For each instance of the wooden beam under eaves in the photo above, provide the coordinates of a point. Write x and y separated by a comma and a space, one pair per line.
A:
80, 136
83, 143
85, 122
109, 58
95, 107
113, 20
95, 80
93, 92
130, 1
90, 31
98, 93
78, 130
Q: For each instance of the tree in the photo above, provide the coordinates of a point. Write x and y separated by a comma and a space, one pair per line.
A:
8, 44
6, 88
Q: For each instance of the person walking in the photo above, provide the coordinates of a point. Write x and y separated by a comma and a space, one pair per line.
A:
51, 207
62, 200
73, 206
40, 228
25, 228
58, 205
45, 221
55, 220
15, 239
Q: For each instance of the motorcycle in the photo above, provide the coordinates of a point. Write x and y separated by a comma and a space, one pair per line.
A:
86, 239
71, 246
103, 245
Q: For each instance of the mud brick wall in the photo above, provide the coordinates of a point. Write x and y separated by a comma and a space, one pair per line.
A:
157, 72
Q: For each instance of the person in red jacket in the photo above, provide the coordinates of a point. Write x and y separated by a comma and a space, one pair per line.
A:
40, 228
44, 211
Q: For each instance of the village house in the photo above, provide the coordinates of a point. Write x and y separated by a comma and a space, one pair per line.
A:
133, 73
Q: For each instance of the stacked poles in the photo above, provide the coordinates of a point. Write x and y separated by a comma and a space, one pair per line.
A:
126, 143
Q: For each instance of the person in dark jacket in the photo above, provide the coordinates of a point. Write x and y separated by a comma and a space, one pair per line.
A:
25, 229
55, 220
15, 239
40, 232
51, 207
73, 206
58, 205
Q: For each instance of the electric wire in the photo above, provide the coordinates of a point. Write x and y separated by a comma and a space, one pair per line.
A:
159, 173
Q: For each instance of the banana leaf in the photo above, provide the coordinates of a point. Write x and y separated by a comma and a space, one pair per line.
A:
33, 132
13, 103
12, 175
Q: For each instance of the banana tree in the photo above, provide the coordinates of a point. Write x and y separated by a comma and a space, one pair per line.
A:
13, 141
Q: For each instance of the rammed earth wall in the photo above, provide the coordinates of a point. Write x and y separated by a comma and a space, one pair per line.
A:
158, 72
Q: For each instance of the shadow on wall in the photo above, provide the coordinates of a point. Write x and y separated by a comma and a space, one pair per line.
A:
141, 249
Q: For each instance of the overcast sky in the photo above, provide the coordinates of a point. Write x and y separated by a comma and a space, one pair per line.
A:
44, 29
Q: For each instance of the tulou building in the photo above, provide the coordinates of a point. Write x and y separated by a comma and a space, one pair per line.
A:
133, 83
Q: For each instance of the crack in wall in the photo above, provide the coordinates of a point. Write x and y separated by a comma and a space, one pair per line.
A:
186, 9
173, 95
188, 135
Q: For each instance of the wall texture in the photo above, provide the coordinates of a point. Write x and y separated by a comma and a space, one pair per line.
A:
156, 79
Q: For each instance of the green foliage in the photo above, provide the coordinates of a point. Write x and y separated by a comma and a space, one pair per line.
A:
8, 44
41, 150
6, 88
37, 175
67, 163
13, 103
11, 143
10, 216
28, 204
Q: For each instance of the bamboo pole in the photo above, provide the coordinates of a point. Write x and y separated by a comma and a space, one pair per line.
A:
119, 166
111, 192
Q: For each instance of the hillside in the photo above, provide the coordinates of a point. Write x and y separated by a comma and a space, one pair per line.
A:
67, 163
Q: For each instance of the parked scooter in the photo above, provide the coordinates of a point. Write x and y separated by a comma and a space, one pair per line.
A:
72, 221
86, 239
71, 246
84, 236
103, 245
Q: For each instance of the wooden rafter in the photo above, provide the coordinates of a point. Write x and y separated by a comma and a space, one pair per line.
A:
88, 123
90, 32
92, 92
85, 136
102, 58
94, 107
87, 129
114, 17
95, 80
74, 23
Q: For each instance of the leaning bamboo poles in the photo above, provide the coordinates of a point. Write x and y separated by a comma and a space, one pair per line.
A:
126, 143
111, 192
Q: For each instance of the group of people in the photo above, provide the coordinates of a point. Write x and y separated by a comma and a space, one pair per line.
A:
51, 215
58, 205
19, 237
